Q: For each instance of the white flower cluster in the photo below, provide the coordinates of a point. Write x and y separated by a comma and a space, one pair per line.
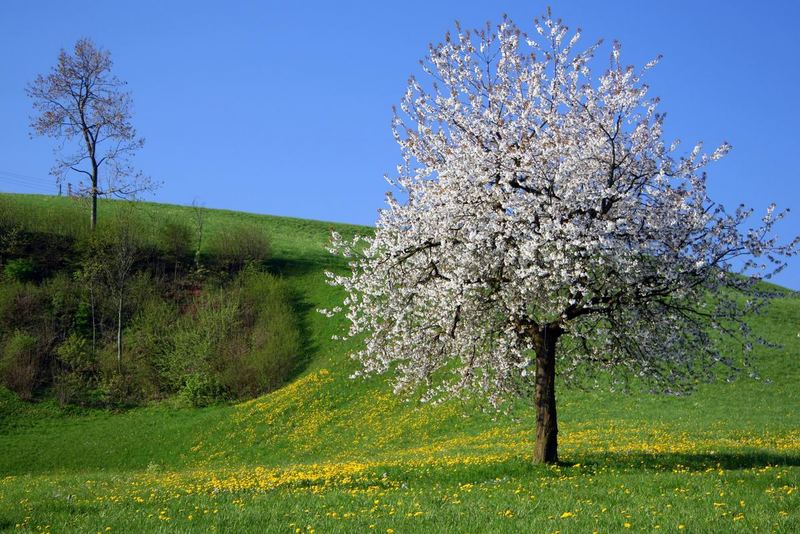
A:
541, 200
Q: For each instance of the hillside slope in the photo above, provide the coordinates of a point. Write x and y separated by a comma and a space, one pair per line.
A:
325, 445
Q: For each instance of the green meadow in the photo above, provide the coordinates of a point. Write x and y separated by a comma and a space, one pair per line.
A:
327, 453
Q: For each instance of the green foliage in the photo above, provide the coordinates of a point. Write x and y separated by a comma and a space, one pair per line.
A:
194, 342
200, 389
237, 342
64, 300
262, 361
176, 239
20, 364
74, 381
12, 239
24, 307
116, 388
19, 269
240, 245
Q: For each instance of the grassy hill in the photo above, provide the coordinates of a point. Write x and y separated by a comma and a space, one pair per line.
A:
326, 453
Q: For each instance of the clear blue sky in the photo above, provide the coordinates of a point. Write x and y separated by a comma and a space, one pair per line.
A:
284, 108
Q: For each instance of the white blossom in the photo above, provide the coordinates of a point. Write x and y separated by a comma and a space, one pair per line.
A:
539, 197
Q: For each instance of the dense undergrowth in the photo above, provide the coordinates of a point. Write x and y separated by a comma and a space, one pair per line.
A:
145, 308
327, 453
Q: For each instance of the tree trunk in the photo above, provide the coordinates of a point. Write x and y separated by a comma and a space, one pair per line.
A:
546, 448
119, 335
94, 321
94, 203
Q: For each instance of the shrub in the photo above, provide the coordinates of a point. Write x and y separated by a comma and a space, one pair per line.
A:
64, 298
74, 379
12, 239
19, 364
19, 269
262, 358
24, 307
240, 245
194, 342
148, 342
128, 381
202, 390
114, 389
175, 240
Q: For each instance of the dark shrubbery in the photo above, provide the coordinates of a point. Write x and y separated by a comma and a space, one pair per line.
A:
76, 374
19, 269
19, 364
262, 358
133, 312
176, 240
235, 342
239, 246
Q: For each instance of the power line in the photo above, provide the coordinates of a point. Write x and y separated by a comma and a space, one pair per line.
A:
13, 180
24, 182
20, 182
23, 176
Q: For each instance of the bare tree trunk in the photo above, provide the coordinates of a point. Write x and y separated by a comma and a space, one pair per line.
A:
94, 208
94, 320
94, 199
546, 448
119, 334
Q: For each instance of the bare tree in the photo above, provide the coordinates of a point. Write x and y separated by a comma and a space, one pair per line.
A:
86, 107
117, 254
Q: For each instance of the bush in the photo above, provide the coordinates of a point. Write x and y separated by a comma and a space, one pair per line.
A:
262, 358
114, 389
193, 343
24, 307
239, 246
147, 340
19, 269
75, 377
202, 390
65, 301
238, 342
175, 241
19, 364
12, 239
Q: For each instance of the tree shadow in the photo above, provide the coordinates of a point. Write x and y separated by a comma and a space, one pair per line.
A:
302, 266
688, 461
301, 307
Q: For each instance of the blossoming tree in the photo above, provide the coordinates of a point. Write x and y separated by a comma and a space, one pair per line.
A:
545, 223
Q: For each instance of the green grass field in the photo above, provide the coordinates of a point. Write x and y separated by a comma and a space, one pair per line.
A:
329, 454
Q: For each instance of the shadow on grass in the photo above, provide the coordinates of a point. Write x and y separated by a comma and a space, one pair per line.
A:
312, 263
308, 347
748, 459
522, 467
302, 307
